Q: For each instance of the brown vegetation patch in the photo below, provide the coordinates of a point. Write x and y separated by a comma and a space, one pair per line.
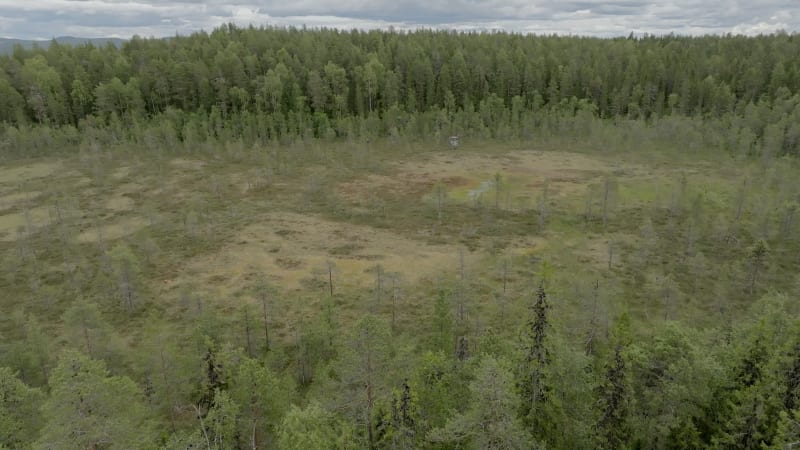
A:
120, 228
13, 175
20, 198
289, 260
595, 250
29, 219
120, 203
566, 173
187, 164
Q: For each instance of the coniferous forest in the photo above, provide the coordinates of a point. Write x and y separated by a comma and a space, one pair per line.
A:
262, 238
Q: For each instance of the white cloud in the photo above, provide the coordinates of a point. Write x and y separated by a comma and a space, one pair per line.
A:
123, 18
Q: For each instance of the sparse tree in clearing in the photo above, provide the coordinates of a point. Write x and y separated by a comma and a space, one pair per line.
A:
543, 205
612, 430
362, 369
610, 190
247, 325
395, 277
88, 331
532, 371
443, 323
219, 426
263, 398
591, 335
741, 197
31, 355
20, 416
264, 295
588, 214
171, 371
787, 435
612, 244
698, 266
308, 345
679, 197
461, 290
489, 421
440, 198
379, 286
787, 222
757, 262
498, 185
399, 427
663, 287
307, 428
127, 272
88, 408
331, 267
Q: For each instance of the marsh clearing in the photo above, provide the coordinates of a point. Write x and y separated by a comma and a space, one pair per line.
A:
220, 234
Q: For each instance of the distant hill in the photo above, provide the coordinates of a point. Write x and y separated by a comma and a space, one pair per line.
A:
7, 45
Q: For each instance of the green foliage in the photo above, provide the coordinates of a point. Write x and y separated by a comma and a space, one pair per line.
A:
309, 427
399, 426
613, 427
489, 421
441, 388
83, 409
220, 428
20, 418
533, 369
263, 398
362, 369
216, 136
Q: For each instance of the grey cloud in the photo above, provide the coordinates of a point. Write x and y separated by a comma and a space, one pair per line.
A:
123, 18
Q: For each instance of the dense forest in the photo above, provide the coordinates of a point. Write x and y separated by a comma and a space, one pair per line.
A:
269, 85
609, 261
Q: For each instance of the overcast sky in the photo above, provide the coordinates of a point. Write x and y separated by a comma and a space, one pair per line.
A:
34, 19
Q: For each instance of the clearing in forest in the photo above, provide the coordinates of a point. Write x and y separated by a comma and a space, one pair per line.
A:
293, 251
468, 176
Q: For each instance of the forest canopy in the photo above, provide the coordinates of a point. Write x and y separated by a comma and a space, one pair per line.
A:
272, 84
263, 238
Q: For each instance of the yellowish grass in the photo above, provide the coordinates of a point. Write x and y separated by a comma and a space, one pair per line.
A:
187, 164
594, 250
120, 203
289, 248
565, 173
116, 230
20, 198
10, 223
13, 175
121, 172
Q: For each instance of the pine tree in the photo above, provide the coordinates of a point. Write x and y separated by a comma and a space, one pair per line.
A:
612, 431
88, 408
20, 418
399, 427
489, 421
532, 372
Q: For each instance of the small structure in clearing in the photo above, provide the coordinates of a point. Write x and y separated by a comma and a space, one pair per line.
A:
454, 141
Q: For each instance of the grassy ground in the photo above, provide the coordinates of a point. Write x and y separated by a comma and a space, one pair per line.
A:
209, 229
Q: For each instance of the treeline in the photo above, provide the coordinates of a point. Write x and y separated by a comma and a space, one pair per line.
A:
267, 84
735, 386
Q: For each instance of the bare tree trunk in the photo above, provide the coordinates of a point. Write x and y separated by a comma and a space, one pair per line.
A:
86, 338
247, 331
394, 303
505, 276
462, 280
740, 199
266, 320
330, 277
169, 391
593, 321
